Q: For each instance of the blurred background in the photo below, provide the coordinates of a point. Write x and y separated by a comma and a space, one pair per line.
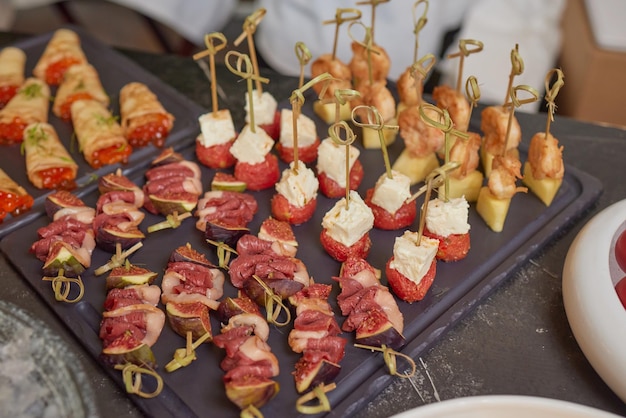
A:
592, 51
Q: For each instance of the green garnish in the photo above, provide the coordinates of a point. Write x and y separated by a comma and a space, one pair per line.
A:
32, 90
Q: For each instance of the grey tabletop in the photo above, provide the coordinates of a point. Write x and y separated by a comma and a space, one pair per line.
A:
517, 341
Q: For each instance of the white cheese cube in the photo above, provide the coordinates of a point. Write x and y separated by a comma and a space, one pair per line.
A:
412, 258
300, 187
217, 128
307, 132
348, 225
264, 106
391, 193
447, 218
251, 147
331, 159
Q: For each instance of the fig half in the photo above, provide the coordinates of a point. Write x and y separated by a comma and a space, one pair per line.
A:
189, 317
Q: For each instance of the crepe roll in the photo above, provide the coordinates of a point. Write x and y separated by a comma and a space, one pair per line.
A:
99, 135
62, 51
48, 164
144, 119
79, 82
12, 62
29, 105
13, 198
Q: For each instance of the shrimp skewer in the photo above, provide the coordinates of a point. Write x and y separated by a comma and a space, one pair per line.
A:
544, 169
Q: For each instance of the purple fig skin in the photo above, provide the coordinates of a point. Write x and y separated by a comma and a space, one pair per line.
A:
386, 335
227, 235
324, 372
107, 239
230, 307
59, 200
281, 287
167, 156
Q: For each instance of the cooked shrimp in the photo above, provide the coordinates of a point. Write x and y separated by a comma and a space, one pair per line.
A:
420, 139
409, 89
379, 96
359, 64
504, 173
455, 103
545, 157
465, 152
337, 69
494, 123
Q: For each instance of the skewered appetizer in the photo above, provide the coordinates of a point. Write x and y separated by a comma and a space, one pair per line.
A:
421, 143
345, 228
331, 168
48, 164
29, 105
369, 64
249, 363
144, 120
255, 165
377, 94
216, 137
100, 136
118, 213
325, 107
172, 184
191, 288
495, 198
452, 100
12, 63
446, 221
266, 261
13, 198
494, 124
80, 82
544, 169
315, 335
67, 242
308, 141
390, 201
371, 310
62, 51
296, 194
280, 234
131, 322
411, 269
224, 215
466, 180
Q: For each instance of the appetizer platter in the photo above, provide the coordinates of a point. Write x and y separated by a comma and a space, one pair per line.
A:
458, 287
156, 245
108, 76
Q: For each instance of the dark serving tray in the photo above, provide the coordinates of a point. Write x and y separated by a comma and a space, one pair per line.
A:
115, 71
458, 287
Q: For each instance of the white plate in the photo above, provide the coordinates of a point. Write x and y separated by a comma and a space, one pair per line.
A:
594, 311
509, 406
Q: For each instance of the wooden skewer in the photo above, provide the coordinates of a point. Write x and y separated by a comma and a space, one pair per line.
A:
517, 68
211, 50
551, 93
334, 131
517, 102
249, 28
466, 47
375, 121
418, 24
341, 16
